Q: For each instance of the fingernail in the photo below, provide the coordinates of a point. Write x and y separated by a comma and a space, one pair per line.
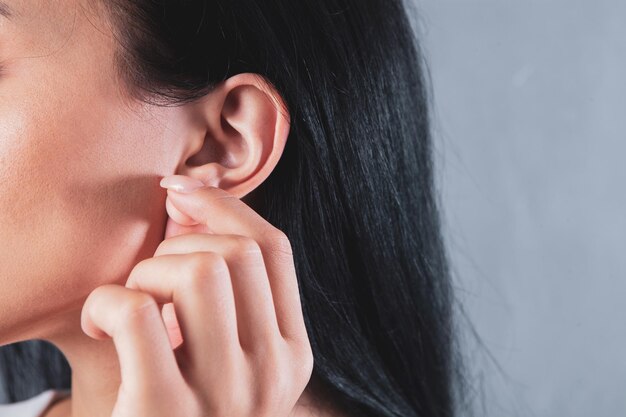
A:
181, 183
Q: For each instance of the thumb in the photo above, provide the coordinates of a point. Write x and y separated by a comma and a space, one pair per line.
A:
179, 223
173, 228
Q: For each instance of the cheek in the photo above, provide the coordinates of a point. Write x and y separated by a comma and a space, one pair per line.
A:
79, 175
80, 206
107, 200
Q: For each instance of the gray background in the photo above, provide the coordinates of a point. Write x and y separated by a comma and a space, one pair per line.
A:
530, 103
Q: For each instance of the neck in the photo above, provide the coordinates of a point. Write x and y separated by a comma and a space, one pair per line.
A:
95, 372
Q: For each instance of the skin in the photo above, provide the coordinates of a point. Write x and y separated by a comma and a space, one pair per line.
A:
96, 256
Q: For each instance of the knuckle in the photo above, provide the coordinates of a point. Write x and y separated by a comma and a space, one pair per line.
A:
278, 242
229, 200
267, 351
246, 244
303, 361
202, 266
244, 248
139, 268
272, 356
94, 299
307, 364
275, 387
222, 195
162, 248
137, 305
174, 244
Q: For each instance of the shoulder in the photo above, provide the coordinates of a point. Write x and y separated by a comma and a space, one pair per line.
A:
34, 406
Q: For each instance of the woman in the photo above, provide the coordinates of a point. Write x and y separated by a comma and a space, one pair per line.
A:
321, 288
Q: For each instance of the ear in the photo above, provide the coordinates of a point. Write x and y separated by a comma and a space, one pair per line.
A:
238, 134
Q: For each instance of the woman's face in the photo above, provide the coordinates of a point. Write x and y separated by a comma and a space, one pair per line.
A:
79, 166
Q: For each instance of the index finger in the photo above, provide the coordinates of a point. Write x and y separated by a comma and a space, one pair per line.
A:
224, 213
132, 319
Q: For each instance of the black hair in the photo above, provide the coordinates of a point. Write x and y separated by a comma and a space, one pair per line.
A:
353, 191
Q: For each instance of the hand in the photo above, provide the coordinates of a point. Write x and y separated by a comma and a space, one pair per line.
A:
234, 344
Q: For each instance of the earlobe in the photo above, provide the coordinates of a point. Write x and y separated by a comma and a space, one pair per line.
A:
244, 125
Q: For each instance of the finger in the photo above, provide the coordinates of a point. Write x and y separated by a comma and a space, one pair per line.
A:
132, 318
171, 324
223, 213
256, 315
199, 286
177, 216
172, 228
